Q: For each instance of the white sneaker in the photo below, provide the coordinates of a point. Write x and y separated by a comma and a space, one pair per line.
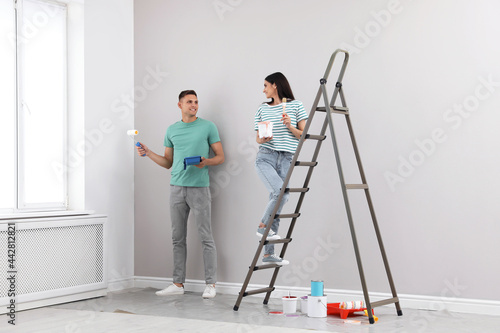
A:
171, 290
209, 291
270, 236
274, 259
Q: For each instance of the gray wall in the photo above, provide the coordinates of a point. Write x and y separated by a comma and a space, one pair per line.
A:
426, 124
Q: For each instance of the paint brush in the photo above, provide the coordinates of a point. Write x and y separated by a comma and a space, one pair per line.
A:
283, 101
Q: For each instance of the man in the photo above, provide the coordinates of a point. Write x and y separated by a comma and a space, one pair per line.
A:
189, 188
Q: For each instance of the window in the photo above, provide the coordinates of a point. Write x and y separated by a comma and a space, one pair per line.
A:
7, 106
34, 105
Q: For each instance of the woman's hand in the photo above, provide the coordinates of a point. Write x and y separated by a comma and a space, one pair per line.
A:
263, 140
285, 118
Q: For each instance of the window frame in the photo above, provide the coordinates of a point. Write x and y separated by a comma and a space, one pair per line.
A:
72, 130
21, 110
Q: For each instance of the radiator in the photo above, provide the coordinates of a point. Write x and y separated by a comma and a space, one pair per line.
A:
57, 260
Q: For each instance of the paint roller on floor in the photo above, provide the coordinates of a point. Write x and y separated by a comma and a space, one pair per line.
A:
132, 133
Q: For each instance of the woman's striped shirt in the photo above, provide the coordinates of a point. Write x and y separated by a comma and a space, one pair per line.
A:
283, 139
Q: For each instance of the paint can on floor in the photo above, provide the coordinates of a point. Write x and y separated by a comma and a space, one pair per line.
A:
316, 288
289, 304
316, 306
303, 304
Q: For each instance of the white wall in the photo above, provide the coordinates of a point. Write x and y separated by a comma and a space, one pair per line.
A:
109, 180
413, 65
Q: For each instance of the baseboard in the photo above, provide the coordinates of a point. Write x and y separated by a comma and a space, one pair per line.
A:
432, 303
121, 284
55, 300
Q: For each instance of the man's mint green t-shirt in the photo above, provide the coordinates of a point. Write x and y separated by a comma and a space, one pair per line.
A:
190, 139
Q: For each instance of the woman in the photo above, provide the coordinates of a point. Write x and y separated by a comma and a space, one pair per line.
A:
276, 152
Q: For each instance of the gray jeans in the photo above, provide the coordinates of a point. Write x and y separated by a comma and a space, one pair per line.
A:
198, 200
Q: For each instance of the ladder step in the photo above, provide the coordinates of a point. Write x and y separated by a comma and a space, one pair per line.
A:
286, 216
257, 291
356, 186
384, 302
341, 108
266, 266
298, 189
278, 241
316, 137
310, 164
334, 109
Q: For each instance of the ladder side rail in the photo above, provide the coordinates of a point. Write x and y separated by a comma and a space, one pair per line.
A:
370, 206
308, 124
264, 237
315, 153
354, 142
301, 198
300, 201
309, 173
331, 62
321, 91
248, 276
383, 252
292, 166
268, 227
314, 159
302, 195
271, 217
346, 202
342, 97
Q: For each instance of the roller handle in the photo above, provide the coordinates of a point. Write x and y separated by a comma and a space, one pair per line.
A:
138, 144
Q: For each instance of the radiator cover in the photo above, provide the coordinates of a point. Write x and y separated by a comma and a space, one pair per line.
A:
55, 257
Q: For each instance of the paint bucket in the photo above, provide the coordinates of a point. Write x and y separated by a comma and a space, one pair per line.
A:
303, 304
316, 306
289, 304
265, 129
317, 288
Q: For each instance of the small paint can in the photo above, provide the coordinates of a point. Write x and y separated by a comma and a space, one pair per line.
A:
316, 306
303, 304
316, 288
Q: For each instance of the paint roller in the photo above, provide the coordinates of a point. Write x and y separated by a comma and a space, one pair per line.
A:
132, 133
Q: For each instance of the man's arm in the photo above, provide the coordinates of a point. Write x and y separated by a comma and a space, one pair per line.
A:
217, 159
164, 161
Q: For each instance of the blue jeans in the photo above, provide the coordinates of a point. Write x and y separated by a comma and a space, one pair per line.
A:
272, 167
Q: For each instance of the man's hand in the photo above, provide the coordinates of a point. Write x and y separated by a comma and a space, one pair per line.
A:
143, 150
202, 164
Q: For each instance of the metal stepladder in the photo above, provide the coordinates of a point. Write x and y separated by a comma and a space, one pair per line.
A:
328, 123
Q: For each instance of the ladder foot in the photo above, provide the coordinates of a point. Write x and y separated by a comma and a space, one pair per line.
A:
265, 301
372, 320
400, 312
235, 308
